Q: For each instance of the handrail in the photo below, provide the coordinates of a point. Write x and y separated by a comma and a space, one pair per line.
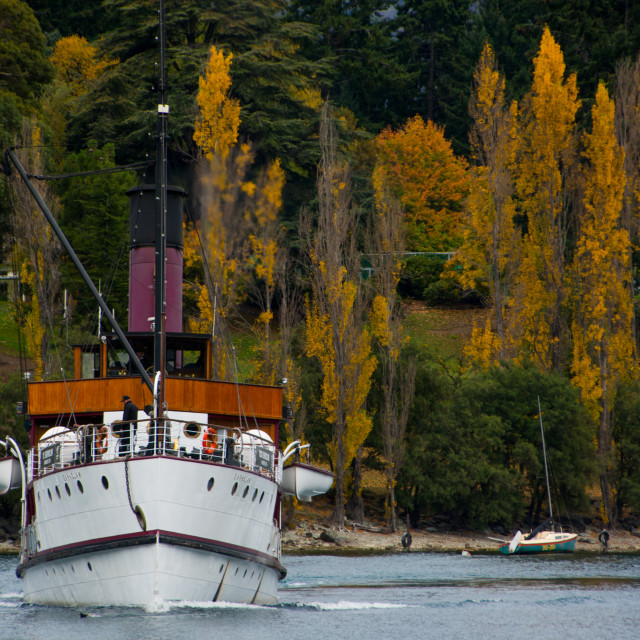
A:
239, 448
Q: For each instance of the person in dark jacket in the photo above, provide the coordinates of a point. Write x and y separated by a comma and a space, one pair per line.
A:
127, 428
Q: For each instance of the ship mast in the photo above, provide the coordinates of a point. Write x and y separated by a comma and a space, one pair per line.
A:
159, 353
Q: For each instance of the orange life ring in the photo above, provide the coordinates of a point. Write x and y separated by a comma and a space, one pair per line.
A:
209, 440
102, 440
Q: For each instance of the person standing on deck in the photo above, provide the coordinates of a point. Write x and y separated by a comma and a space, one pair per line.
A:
128, 429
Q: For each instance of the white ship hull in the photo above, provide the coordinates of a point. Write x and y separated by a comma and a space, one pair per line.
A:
184, 530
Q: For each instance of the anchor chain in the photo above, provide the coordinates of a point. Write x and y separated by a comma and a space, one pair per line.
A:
137, 509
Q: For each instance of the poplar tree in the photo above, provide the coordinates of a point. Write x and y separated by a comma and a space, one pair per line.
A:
335, 326
222, 188
397, 378
627, 119
546, 149
491, 251
604, 348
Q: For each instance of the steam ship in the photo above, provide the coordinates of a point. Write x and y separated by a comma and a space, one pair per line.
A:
182, 503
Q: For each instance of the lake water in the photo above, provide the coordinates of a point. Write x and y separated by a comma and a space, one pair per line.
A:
416, 595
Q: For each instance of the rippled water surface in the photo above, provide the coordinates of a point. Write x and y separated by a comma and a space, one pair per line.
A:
417, 595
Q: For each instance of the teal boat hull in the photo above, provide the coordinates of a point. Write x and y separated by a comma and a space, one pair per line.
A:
546, 546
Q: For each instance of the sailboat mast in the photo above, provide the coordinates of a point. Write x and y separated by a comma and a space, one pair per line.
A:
161, 216
544, 455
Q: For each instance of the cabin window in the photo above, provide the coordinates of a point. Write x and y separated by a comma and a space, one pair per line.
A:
90, 365
193, 363
117, 362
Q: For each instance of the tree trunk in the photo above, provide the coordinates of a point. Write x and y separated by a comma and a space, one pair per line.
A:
355, 505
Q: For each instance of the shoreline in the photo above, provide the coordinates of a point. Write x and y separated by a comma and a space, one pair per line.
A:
314, 539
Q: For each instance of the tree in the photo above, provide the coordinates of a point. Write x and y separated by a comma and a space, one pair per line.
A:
430, 182
24, 67
365, 64
222, 198
218, 119
397, 378
476, 451
626, 439
335, 326
267, 259
95, 218
238, 218
492, 246
76, 62
627, 119
38, 254
546, 149
437, 44
604, 352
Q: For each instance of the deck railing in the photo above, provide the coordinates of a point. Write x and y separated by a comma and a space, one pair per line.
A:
82, 444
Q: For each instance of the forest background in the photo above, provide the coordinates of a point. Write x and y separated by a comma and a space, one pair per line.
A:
342, 159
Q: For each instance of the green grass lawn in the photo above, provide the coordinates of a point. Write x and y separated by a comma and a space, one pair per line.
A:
442, 332
8, 329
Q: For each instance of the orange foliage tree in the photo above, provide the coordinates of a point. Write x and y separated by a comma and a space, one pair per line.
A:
428, 179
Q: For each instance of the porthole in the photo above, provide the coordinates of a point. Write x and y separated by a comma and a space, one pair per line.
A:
66, 488
49, 494
89, 566
244, 575
39, 545
73, 569
39, 497
210, 484
105, 482
234, 488
237, 569
246, 490
261, 497
80, 487
255, 495
58, 491
221, 568
192, 430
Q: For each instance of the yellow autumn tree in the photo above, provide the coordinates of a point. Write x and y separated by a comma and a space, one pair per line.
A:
428, 179
397, 379
627, 119
604, 347
77, 62
218, 119
335, 326
266, 260
491, 248
222, 195
546, 149
38, 253
238, 226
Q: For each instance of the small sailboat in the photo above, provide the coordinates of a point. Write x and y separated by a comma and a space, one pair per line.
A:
541, 540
